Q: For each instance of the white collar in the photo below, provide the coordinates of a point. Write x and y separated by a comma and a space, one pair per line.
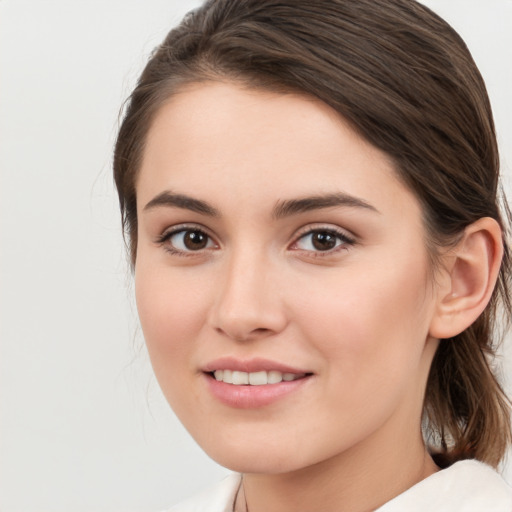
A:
466, 486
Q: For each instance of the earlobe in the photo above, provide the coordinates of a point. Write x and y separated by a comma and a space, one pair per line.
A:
469, 276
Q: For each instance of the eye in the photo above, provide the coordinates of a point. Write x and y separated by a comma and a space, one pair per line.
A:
322, 240
186, 240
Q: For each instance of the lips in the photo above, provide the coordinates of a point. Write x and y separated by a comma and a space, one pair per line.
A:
252, 383
251, 366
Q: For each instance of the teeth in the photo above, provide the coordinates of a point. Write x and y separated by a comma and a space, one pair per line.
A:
240, 378
274, 377
255, 378
258, 378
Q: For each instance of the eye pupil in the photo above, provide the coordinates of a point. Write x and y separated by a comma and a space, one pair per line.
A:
195, 240
323, 240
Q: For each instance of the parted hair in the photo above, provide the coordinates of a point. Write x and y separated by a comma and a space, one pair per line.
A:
406, 82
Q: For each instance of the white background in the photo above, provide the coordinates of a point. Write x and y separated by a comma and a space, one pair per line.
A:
83, 426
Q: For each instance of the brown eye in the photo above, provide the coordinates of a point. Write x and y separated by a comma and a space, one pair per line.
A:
188, 240
195, 240
323, 240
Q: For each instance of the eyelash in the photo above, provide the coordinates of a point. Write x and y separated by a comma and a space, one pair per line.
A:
342, 239
165, 237
345, 241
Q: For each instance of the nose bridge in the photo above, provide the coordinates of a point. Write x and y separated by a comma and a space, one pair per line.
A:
248, 302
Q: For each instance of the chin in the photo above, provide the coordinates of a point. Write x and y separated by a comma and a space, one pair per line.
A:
258, 456
263, 463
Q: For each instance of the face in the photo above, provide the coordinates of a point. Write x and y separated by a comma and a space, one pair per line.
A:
282, 280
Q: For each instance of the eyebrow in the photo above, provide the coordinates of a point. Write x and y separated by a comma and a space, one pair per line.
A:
171, 199
282, 209
306, 204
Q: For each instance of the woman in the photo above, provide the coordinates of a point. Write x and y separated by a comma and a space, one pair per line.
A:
310, 191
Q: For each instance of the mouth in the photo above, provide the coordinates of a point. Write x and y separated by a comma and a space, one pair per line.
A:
253, 383
258, 378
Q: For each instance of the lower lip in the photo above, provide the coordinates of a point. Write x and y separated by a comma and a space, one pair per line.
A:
252, 397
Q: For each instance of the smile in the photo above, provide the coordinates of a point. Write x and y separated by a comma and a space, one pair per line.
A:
252, 383
259, 378
254, 388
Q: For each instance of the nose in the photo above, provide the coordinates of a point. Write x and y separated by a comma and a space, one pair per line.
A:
248, 302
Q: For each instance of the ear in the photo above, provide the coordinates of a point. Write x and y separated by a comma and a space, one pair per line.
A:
469, 273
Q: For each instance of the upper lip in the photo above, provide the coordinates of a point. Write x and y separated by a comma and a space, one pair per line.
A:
250, 365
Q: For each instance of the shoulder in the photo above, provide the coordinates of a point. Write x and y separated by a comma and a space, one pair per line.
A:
219, 498
467, 486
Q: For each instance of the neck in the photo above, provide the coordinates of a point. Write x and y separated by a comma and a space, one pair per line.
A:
359, 480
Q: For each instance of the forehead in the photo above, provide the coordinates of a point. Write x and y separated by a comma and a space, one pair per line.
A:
218, 139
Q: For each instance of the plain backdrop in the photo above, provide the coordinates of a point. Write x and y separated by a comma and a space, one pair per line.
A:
83, 425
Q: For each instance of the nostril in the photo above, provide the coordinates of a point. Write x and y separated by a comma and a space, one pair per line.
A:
260, 330
244, 336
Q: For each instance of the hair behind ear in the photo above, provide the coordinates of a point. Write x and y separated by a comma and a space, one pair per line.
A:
468, 412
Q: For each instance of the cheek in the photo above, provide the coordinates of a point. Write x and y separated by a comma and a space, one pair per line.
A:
171, 314
369, 323
373, 355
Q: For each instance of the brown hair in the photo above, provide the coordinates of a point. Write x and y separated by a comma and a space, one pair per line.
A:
407, 83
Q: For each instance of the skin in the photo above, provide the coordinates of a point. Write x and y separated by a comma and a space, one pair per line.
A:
358, 317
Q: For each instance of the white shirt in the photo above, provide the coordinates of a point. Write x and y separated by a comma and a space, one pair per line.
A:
467, 486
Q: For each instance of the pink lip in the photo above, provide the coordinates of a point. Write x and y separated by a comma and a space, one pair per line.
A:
250, 365
252, 397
